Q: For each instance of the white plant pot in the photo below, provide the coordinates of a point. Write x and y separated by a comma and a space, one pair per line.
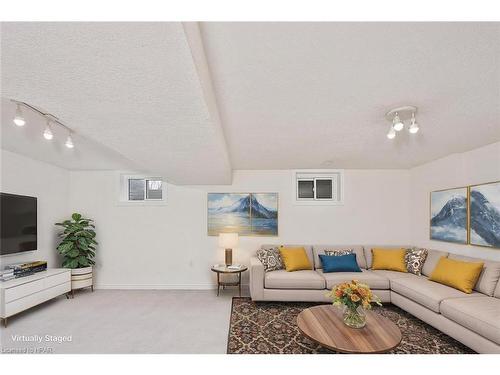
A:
81, 278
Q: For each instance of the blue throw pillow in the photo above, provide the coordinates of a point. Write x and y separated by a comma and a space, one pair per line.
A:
341, 263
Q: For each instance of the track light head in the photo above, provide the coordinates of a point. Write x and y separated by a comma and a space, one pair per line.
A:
397, 124
392, 133
414, 128
47, 133
19, 118
69, 142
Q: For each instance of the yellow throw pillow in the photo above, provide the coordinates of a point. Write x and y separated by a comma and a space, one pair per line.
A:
295, 258
389, 259
457, 274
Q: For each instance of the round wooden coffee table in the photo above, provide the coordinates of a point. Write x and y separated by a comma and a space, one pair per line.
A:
324, 325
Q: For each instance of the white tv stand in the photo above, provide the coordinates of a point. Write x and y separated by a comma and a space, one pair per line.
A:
21, 294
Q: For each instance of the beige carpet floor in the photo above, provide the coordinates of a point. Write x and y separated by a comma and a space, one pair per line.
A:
124, 321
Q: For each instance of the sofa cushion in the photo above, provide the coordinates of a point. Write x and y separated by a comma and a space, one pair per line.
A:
295, 259
425, 292
432, 260
368, 277
457, 274
368, 251
480, 314
341, 263
393, 275
305, 279
307, 248
415, 259
270, 258
389, 259
320, 249
489, 276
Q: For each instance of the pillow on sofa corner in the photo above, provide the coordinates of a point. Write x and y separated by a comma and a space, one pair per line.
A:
270, 257
339, 263
389, 259
295, 258
415, 259
457, 274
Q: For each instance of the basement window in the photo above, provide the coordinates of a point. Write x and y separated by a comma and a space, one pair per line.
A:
137, 188
318, 187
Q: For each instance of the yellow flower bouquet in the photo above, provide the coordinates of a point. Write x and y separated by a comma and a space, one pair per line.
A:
354, 297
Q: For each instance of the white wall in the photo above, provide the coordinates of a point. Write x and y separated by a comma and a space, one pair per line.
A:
167, 246
469, 168
50, 184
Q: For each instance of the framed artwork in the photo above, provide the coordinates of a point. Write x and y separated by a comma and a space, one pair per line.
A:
248, 214
448, 212
484, 219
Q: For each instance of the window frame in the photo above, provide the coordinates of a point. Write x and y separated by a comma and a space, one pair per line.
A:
336, 176
124, 190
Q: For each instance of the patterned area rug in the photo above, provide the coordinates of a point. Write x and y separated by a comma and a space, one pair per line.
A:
271, 328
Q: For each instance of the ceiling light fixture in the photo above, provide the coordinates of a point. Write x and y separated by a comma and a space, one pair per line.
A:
50, 121
69, 142
19, 118
47, 133
397, 116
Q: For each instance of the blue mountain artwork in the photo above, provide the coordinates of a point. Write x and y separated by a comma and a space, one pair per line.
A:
245, 204
246, 215
484, 220
450, 223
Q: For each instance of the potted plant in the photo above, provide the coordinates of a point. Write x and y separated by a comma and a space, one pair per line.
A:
354, 297
78, 247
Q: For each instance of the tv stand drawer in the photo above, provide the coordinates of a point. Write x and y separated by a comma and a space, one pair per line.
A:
31, 300
34, 284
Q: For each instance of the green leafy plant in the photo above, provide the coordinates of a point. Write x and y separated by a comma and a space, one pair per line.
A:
78, 243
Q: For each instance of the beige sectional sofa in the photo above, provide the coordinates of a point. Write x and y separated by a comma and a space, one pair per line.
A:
473, 319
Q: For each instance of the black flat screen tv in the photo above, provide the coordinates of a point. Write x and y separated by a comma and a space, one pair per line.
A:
18, 229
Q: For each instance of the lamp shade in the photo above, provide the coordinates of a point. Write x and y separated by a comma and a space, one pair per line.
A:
228, 240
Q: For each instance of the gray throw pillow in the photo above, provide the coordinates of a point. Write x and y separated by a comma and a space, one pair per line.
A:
414, 259
271, 259
337, 253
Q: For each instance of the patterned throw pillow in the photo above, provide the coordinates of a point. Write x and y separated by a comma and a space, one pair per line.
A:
414, 259
270, 258
337, 253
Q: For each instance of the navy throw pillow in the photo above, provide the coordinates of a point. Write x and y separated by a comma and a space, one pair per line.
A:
341, 263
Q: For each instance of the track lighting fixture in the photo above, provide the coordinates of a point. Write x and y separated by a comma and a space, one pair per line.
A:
47, 133
396, 117
50, 121
19, 118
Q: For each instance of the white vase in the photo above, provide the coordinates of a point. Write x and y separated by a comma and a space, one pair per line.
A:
82, 278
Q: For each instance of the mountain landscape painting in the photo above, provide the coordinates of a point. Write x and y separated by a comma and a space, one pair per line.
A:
449, 215
248, 214
485, 215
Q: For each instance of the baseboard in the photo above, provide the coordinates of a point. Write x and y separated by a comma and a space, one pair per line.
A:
160, 286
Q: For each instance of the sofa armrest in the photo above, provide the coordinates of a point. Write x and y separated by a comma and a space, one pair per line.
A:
256, 279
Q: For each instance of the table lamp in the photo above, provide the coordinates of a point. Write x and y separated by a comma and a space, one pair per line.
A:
228, 241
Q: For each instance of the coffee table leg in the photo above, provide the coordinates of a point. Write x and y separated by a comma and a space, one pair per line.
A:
218, 284
239, 283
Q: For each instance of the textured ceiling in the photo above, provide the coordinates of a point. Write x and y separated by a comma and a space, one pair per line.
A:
28, 140
253, 95
308, 95
133, 87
